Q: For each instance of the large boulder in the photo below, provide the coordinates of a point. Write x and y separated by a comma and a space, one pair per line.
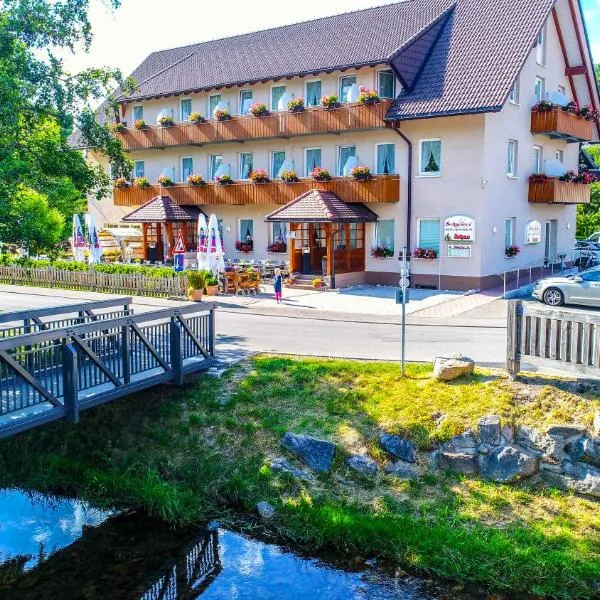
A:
507, 464
576, 477
459, 462
362, 464
400, 447
465, 442
489, 430
450, 366
315, 453
586, 449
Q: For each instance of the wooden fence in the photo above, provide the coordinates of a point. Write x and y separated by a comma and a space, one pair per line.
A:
139, 284
555, 338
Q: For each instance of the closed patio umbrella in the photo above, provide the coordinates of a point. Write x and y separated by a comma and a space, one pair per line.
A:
202, 252
215, 254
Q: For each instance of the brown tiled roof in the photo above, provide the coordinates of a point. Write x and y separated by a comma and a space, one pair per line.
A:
318, 206
161, 209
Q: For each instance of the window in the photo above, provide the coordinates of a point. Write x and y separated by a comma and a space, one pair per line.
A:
386, 84
312, 160
279, 232
245, 101
431, 154
345, 84
346, 159
185, 109
214, 162
591, 276
187, 167
562, 90
357, 235
513, 97
245, 164
429, 234
509, 232
540, 89
537, 159
138, 168
386, 159
511, 162
212, 103
384, 233
276, 94
246, 230
540, 49
313, 93
277, 160
138, 113
559, 155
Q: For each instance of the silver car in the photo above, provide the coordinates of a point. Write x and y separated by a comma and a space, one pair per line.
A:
583, 288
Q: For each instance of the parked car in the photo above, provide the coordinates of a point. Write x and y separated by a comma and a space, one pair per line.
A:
587, 254
583, 288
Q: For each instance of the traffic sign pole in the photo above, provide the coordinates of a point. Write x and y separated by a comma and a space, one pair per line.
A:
404, 283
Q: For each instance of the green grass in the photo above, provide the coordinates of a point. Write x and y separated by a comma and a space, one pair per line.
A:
204, 453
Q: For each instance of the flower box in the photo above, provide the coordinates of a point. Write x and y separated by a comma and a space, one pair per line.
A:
196, 180
259, 109
367, 96
165, 181
289, 176
117, 127
166, 121
296, 105
224, 180
511, 251
555, 122
331, 101
425, 253
139, 124
277, 248
382, 252
196, 118
142, 182
245, 247
259, 176
122, 183
319, 174
570, 189
222, 115
361, 173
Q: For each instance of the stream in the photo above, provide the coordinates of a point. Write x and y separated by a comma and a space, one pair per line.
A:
67, 550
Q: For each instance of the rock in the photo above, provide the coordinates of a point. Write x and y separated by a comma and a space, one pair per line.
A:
585, 449
508, 434
265, 510
484, 448
596, 425
317, 454
434, 460
401, 469
363, 464
507, 464
400, 447
489, 430
537, 442
565, 430
459, 462
465, 442
450, 366
280, 465
576, 477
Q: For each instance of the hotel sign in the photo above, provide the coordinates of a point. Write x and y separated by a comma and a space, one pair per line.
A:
533, 232
459, 229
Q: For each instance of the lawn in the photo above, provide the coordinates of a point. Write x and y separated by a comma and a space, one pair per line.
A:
204, 452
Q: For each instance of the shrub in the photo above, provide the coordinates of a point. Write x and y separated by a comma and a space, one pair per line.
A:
139, 124
221, 114
196, 180
211, 280
331, 101
121, 183
166, 121
259, 176
319, 174
165, 181
289, 176
296, 105
141, 182
361, 173
367, 96
196, 118
427, 253
259, 109
197, 280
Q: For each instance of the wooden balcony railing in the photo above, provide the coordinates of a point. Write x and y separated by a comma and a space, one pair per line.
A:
559, 124
555, 191
351, 117
380, 188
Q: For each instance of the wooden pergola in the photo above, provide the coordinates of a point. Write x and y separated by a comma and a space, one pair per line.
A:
325, 228
162, 222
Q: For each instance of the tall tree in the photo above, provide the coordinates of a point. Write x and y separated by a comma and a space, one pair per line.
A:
41, 106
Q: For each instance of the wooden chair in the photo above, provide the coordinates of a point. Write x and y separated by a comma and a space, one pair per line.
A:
231, 282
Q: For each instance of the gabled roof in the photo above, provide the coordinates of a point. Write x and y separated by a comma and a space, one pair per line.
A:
162, 209
318, 206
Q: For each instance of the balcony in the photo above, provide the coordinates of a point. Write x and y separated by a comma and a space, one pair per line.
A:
559, 124
555, 191
352, 117
380, 188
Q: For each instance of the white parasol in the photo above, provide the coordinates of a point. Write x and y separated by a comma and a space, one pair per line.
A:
95, 247
216, 260
78, 240
202, 243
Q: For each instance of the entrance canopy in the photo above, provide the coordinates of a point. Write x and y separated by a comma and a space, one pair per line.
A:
162, 209
319, 206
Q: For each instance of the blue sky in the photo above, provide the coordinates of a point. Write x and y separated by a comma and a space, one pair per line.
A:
591, 9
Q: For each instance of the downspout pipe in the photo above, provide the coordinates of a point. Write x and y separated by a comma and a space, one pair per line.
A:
394, 127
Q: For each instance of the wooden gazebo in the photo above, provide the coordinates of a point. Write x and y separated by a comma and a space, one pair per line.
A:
162, 222
327, 235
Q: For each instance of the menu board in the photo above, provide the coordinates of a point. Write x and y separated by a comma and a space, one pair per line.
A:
459, 251
459, 229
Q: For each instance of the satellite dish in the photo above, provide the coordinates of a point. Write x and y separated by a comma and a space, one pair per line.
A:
554, 168
286, 165
283, 101
350, 164
353, 93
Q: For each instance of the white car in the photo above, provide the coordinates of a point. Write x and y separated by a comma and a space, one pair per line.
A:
583, 288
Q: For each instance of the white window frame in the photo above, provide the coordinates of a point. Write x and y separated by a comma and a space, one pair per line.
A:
133, 112
241, 102
135, 163
270, 104
539, 163
306, 89
375, 157
377, 81
513, 97
181, 100
337, 157
240, 165
559, 155
419, 232
543, 94
376, 232
339, 92
271, 153
426, 173
181, 167
211, 175
210, 114
239, 228
306, 172
515, 172
540, 47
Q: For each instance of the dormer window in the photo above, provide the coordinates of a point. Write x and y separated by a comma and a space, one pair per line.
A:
386, 84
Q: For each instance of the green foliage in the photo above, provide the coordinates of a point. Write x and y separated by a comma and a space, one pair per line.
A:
588, 215
594, 151
197, 280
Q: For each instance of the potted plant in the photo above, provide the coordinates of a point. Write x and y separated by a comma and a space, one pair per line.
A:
196, 284
142, 182
296, 105
121, 183
511, 251
246, 247
259, 176
277, 247
117, 127
289, 176
543, 106
426, 253
139, 124
166, 121
319, 174
224, 180
196, 180
331, 101
196, 118
317, 282
212, 285
361, 173
382, 251
221, 114
367, 96
259, 109
164, 181
539, 178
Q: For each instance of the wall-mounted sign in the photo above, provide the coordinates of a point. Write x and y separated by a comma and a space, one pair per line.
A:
459, 229
459, 251
533, 232
291, 235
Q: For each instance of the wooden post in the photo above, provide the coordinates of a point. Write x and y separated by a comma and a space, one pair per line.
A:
348, 261
513, 355
145, 240
330, 254
176, 352
170, 238
70, 382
